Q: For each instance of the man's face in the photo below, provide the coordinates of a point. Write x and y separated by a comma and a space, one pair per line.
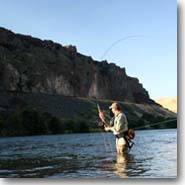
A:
113, 110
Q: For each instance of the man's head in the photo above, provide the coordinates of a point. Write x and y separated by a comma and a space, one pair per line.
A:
115, 107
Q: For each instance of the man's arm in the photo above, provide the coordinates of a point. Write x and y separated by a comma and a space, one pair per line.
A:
102, 117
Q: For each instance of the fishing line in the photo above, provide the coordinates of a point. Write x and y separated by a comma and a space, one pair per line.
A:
103, 55
121, 40
158, 123
104, 141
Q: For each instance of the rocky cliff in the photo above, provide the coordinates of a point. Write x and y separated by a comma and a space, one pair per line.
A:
49, 88
29, 64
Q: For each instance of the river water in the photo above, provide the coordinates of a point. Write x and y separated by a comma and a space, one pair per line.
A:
90, 155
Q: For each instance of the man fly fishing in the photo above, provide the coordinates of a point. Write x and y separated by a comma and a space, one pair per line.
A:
119, 128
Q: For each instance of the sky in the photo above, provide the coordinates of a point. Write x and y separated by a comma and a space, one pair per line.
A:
140, 35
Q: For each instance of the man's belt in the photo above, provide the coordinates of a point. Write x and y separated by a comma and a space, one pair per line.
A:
122, 134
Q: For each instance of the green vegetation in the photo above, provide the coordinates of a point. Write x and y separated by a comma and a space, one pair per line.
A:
30, 121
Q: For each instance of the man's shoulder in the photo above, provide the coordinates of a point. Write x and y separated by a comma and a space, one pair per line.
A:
121, 114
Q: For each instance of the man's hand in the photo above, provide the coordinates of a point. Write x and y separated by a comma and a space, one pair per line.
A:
107, 128
102, 116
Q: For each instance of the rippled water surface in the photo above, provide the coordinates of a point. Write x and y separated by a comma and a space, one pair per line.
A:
93, 155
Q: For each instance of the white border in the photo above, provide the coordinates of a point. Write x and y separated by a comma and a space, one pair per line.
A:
180, 179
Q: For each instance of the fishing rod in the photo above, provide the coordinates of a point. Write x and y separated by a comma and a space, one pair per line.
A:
100, 111
98, 106
131, 133
106, 141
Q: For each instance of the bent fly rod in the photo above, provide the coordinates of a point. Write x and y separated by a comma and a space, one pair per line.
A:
99, 110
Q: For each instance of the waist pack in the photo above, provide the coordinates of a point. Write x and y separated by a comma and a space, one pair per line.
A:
129, 133
128, 136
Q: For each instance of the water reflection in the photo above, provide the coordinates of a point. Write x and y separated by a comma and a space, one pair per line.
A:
128, 166
120, 166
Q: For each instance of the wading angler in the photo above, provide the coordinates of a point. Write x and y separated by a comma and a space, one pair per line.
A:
119, 126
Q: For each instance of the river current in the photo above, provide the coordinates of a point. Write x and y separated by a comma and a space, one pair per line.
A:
89, 155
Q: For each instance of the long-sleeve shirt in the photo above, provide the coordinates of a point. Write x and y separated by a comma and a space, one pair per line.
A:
120, 124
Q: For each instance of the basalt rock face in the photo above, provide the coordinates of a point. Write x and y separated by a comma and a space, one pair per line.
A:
29, 64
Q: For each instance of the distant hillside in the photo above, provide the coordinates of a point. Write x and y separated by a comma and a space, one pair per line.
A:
169, 103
